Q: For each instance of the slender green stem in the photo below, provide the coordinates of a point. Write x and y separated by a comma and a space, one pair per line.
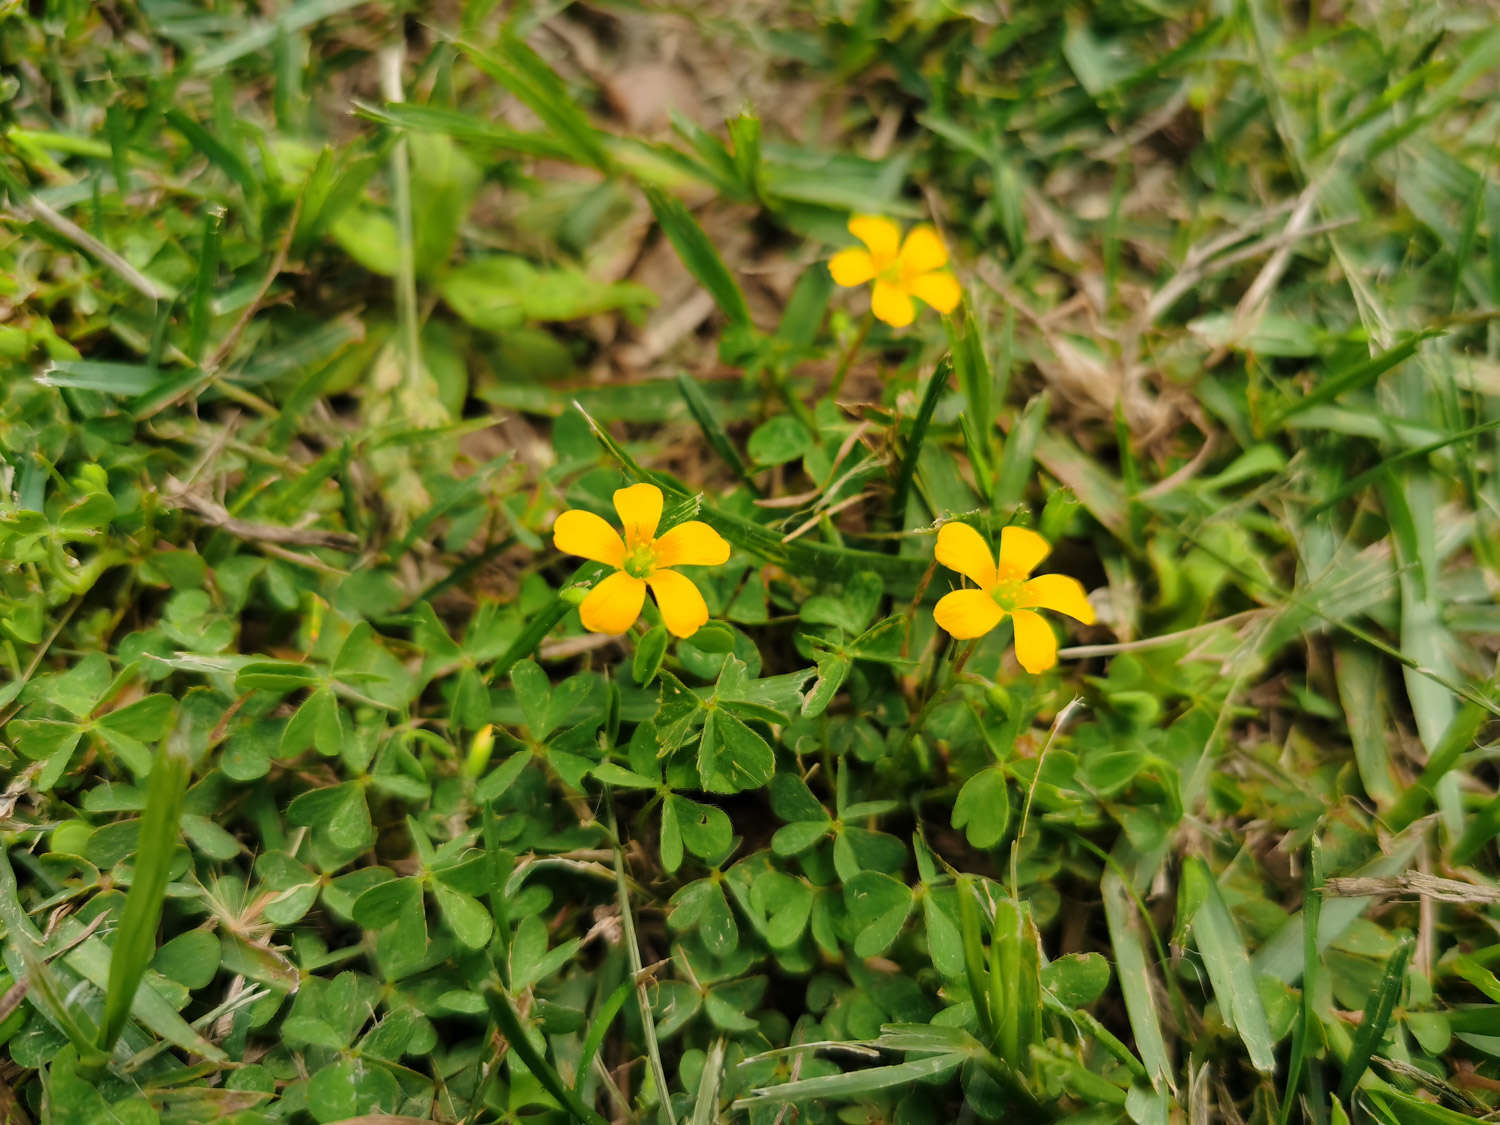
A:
848, 361
633, 951
406, 270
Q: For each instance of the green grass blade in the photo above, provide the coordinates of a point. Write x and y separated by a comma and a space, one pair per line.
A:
22, 950
699, 255
504, 1014
124, 379
599, 1028
1013, 473
1134, 973
706, 1105
135, 938
261, 34
217, 152
703, 413
974, 967
1306, 1027
633, 950
1006, 986
524, 73
463, 127
909, 456
857, 1083
542, 622
1377, 1017
1228, 965
1333, 385
972, 369
1458, 738
203, 284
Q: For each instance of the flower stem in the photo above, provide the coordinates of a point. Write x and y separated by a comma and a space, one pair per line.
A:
848, 360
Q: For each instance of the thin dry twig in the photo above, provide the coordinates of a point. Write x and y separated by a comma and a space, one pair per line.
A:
1411, 883
36, 210
217, 516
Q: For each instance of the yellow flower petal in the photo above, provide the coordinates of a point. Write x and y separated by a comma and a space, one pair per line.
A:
940, 290
613, 605
1022, 550
1036, 646
691, 544
682, 607
1057, 592
851, 267
640, 511
967, 613
882, 236
582, 533
961, 548
922, 252
891, 305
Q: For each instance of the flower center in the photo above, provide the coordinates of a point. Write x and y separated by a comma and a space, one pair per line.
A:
1007, 588
641, 561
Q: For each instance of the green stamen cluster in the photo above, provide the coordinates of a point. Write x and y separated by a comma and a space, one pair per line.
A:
640, 562
1007, 589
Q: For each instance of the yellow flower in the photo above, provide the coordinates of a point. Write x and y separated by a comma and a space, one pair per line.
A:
641, 559
901, 270
1005, 590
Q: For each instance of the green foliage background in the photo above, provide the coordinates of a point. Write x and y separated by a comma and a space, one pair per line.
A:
319, 803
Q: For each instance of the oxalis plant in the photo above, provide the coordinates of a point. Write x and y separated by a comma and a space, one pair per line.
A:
1025, 653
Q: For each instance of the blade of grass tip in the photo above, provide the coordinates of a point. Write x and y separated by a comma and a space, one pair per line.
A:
908, 472
509, 1023
135, 938
599, 1028
706, 1106
1377, 1017
633, 950
702, 411
406, 267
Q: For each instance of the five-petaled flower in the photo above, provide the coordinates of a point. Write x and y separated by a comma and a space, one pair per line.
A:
641, 559
900, 270
1006, 590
